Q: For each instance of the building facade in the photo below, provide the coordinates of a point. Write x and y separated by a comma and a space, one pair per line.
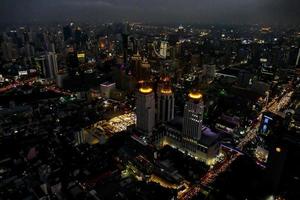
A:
145, 110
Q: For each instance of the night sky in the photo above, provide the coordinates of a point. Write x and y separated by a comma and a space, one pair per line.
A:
156, 11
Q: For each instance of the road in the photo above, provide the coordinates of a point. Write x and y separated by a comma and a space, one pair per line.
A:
17, 83
30, 81
273, 106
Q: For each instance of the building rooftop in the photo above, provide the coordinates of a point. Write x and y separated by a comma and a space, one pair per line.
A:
107, 84
195, 95
145, 90
208, 137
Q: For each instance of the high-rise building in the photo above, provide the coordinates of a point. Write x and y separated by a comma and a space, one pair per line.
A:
193, 116
67, 31
125, 36
7, 48
163, 49
41, 64
165, 104
136, 60
51, 65
72, 63
145, 109
298, 58
209, 72
144, 70
245, 78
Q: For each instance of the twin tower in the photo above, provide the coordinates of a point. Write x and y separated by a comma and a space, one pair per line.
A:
149, 113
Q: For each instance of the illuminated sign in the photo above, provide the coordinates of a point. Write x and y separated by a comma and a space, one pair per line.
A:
265, 125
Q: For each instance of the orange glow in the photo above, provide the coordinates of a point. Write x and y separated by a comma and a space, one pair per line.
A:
145, 90
195, 95
166, 91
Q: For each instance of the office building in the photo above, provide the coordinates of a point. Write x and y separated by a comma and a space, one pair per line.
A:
145, 110
106, 89
51, 67
144, 70
165, 104
163, 49
193, 116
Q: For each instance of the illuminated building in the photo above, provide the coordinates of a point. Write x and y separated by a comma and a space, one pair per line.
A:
103, 43
163, 49
145, 109
40, 64
81, 57
193, 116
228, 124
60, 78
269, 123
188, 135
106, 89
80, 137
209, 72
165, 104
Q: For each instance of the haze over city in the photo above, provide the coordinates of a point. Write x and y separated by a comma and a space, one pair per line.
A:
283, 12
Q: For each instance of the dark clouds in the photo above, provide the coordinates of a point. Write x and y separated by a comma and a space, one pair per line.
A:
158, 11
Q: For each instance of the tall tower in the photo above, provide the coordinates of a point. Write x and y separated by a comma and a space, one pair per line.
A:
145, 109
165, 104
193, 116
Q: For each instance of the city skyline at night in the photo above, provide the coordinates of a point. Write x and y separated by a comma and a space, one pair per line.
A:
147, 99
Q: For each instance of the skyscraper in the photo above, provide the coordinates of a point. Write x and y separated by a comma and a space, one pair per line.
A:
145, 109
136, 60
144, 71
165, 104
209, 72
125, 36
51, 65
163, 49
67, 31
298, 58
193, 116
